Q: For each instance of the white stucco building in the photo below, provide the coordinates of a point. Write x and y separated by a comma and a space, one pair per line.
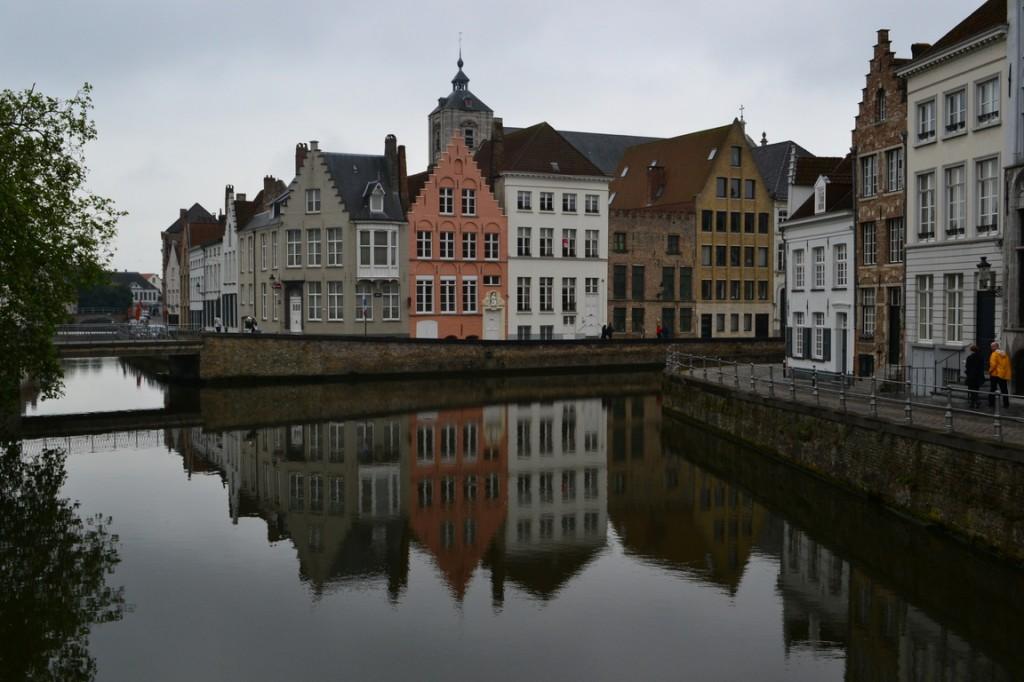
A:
956, 100
1013, 232
229, 264
172, 288
819, 248
556, 201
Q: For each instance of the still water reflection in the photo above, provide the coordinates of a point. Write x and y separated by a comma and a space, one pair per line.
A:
570, 539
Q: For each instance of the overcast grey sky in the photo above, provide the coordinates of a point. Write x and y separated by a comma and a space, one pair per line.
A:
192, 95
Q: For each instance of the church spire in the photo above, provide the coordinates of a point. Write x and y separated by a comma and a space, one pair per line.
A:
461, 80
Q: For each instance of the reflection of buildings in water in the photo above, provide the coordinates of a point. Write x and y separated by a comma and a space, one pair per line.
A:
458, 464
891, 640
813, 583
669, 511
557, 505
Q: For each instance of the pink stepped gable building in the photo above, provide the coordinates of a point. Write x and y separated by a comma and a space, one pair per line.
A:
458, 263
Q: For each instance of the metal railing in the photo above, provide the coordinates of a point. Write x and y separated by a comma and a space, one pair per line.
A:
899, 401
88, 333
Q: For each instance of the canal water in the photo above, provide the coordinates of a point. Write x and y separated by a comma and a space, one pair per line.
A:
584, 537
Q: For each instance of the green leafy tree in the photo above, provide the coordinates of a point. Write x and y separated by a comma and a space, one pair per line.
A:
55, 235
114, 296
53, 572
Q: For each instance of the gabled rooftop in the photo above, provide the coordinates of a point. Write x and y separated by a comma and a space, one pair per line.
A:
195, 214
537, 149
991, 15
353, 174
773, 161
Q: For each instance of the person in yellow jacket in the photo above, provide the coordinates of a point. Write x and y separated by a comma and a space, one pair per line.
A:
999, 374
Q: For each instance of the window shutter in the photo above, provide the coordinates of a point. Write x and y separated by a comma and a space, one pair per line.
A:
828, 345
789, 342
807, 342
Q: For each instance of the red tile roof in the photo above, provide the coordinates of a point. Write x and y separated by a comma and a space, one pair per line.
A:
537, 149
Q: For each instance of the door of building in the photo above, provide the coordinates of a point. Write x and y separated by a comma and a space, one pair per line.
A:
985, 320
761, 325
705, 326
295, 314
895, 324
668, 322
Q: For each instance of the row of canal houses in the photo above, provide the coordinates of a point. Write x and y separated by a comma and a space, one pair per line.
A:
899, 254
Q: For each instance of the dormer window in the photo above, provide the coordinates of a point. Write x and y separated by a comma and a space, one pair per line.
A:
819, 195
377, 200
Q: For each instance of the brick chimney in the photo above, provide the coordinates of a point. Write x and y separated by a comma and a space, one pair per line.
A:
391, 162
271, 188
403, 179
918, 49
301, 150
655, 182
497, 149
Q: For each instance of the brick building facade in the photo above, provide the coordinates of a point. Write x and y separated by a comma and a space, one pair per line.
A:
879, 141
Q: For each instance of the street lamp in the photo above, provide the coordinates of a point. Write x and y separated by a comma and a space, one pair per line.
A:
985, 276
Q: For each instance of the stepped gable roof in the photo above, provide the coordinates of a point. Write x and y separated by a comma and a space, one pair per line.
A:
537, 149
838, 192
195, 214
990, 15
416, 182
604, 150
810, 168
461, 98
126, 279
353, 175
686, 160
773, 162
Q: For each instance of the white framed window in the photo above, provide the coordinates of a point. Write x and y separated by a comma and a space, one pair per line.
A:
545, 286
894, 170
391, 294
926, 121
839, 255
568, 294
591, 286
798, 334
925, 293
590, 246
547, 239
364, 301
956, 111
378, 248
293, 239
313, 246
263, 252
425, 294
954, 307
524, 200
263, 300
987, 101
819, 335
547, 201
491, 246
569, 243
275, 301
523, 294
819, 198
469, 246
446, 201
446, 243
469, 202
448, 295
377, 200
818, 253
492, 280
869, 243
897, 239
312, 200
926, 206
334, 247
591, 205
956, 204
424, 244
523, 239
314, 298
273, 250
869, 175
335, 301
987, 173
798, 269
469, 295
867, 312
425, 443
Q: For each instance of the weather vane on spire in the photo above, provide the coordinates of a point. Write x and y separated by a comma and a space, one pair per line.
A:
742, 108
460, 49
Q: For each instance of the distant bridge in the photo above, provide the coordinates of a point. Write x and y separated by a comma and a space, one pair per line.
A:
104, 442
61, 426
125, 340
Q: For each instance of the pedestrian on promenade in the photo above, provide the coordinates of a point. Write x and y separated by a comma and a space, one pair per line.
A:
999, 374
974, 368
217, 324
658, 331
604, 332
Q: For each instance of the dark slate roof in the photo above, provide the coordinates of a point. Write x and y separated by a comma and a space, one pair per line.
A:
461, 98
126, 279
260, 220
196, 214
838, 192
537, 149
773, 162
810, 168
990, 15
352, 173
415, 183
604, 150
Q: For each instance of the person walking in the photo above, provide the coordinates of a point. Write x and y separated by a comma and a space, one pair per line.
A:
974, 369
999, 374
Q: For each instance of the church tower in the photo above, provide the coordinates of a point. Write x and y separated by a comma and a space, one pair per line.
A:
460, 111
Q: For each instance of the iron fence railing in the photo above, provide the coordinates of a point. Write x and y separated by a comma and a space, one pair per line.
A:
899, 401
79, 333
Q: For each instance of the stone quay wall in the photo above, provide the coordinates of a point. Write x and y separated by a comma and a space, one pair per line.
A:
227, 357
973, 488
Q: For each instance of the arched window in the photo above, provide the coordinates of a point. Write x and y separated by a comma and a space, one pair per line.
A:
880, 105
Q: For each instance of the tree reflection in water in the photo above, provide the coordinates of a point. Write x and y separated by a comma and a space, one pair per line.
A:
53, 568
